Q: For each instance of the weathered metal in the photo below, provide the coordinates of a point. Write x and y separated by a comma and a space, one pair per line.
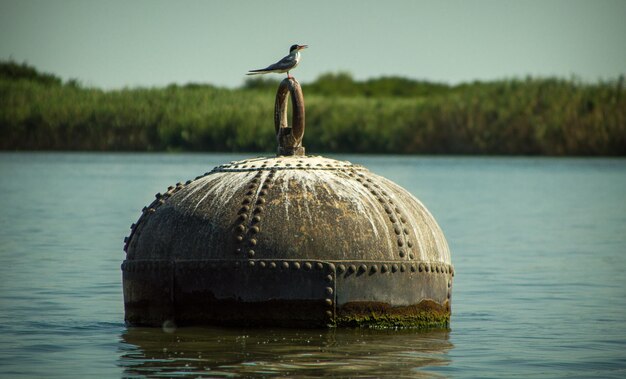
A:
291, 240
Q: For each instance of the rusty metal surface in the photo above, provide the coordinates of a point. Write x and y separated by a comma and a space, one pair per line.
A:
291, 240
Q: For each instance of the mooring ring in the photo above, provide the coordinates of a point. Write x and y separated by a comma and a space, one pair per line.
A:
289, 137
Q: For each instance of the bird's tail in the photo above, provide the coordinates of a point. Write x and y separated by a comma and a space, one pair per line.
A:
257, 72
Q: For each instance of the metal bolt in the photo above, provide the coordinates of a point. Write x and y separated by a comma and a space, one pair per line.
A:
319, 265
402, 267
308, 265
401, 253
262, 264
272, 265
374, 268
255, 229
329, 302
251, 263
384, 268
256, 218
329, 291
362, 268
251, 253
285, 265
394, 267
296, 265
329, 278
341, 269
351, 268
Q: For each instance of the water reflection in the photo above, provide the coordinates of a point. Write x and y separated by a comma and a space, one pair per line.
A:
218, 352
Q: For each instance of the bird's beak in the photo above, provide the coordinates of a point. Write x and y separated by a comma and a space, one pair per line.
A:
300, 47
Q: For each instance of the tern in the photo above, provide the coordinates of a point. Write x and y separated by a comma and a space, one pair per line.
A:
284, 65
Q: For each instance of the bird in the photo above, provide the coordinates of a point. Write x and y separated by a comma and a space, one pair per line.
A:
284, 65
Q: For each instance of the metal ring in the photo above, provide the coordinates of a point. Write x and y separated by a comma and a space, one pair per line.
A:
289, 137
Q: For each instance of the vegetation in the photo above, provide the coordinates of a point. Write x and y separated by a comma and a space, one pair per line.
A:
384, 115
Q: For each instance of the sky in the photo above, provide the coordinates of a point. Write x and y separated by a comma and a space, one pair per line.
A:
114, 44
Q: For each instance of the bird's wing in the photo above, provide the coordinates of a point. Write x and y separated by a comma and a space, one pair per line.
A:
283, 64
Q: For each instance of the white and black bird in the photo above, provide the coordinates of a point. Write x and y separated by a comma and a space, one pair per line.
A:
286, 64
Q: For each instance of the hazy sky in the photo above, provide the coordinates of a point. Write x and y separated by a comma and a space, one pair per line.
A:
112, 44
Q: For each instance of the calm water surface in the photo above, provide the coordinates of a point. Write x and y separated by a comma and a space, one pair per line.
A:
538, 244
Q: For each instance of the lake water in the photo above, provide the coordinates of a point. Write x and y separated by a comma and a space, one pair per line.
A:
538, 245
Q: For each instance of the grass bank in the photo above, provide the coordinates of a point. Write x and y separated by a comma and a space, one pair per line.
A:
535, 116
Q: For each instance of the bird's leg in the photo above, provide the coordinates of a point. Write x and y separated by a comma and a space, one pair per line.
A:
288, 76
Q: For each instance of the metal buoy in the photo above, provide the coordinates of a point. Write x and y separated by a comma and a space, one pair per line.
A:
291, 240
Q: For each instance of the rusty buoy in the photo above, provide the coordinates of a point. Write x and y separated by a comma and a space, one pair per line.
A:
291, 240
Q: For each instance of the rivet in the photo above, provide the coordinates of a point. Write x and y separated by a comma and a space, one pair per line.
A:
308, 266
392, 219
260, 201
449, 283
374, 268
341, 269
272, 265
239, 238
161, 201
265, 186
246, 201
362, 268
262, 264
243, 217
329, 313
237, 264
249, 193
251, 263
401, 253
421, 267
329, 278
251, 186
387, 209
406, 231
151, 210
384, 268
331, 266
402, 218
411, 256
412, 268
158, 195
351, 268
256, 218
244, 209
263, 192
402, 267
254, 229
427, 267
409, 243
400, 242
240, 228
319, 265
329, 291
296, 265
251, 253
329, 302
397, 230
285, 265
258, 209
394, 267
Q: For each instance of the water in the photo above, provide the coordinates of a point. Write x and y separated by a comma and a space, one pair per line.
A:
539, 247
